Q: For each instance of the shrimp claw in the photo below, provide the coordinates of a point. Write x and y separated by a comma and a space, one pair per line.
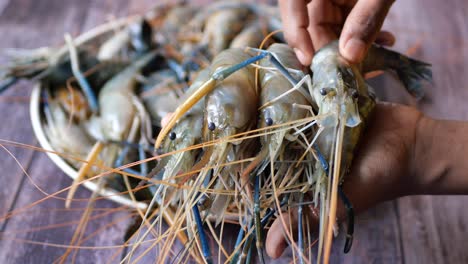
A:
201, 233
350, 219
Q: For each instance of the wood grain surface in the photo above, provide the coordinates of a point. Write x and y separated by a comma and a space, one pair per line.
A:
422, 229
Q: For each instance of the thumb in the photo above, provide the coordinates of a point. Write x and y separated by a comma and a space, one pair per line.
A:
361, 28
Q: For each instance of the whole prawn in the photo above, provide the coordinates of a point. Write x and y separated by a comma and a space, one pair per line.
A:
117, 115
280, 104
66, 137
345, 102
186, 133
230, 109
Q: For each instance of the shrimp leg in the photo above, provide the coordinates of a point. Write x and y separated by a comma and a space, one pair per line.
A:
300, 230
239, 238
246, 250
347, 203
268, 214
142, 156
257, 222
120, 161
202, 235
178, 69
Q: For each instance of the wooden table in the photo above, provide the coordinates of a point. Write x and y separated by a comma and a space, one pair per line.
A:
422, 229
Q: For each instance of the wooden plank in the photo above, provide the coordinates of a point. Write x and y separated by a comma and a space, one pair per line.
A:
3, 4
449, 214
421, 242
26, 31
20, 26
34, 223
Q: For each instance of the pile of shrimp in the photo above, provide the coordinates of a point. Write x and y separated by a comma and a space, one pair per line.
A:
250, 134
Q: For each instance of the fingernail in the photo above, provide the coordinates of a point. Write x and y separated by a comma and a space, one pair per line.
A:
354, 50
300, 56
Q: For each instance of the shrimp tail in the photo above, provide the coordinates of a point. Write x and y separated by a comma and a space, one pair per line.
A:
410, 71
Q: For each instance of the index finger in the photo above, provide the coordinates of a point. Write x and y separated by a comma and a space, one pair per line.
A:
295, 22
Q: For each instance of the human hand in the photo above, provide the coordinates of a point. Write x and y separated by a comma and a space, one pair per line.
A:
309, 25
383, 167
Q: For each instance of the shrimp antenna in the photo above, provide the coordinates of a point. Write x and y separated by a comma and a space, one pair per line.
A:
347, 203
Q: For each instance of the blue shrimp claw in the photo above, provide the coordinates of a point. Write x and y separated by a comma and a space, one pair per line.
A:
203, 240
350, 219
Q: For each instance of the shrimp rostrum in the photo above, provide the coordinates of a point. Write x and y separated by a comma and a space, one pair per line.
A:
345, 102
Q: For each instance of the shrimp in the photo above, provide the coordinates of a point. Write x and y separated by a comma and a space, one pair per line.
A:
230, 109
114, 45
177, 17
222, 26
250, 36
279, 105
345, 102
157, 95
120, 112
279, 101
188, 132
53, 64
64, 136
42, 64
116, 110
135, 38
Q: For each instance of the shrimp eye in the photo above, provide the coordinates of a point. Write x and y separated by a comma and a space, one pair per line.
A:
172, 136
269, 121
323, 91
211, 126
355, 94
